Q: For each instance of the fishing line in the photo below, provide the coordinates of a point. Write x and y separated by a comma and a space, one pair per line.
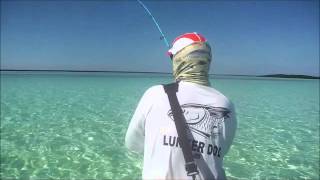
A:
155, 21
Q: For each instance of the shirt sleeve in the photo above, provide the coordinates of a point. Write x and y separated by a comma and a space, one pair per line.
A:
230, 128
135, 134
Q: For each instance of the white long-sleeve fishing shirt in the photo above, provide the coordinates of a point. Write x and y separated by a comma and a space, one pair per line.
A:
211, 119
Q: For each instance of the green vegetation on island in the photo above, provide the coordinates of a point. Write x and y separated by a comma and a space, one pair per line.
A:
290, 76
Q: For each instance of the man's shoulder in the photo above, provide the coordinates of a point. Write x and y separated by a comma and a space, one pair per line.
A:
219, 96
206, 90
154, 88
153, 91
207, 93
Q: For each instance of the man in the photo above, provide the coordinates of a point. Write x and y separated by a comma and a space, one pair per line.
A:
209, 114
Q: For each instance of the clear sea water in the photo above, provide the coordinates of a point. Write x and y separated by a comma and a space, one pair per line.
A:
72, 126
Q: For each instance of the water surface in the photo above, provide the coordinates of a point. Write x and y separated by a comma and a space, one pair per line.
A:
72, 125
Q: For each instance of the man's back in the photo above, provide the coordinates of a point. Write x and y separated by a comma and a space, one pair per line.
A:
210, 117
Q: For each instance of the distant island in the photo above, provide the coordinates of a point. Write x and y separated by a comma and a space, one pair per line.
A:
290, 76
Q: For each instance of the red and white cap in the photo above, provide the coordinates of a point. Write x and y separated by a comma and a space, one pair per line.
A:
185, 40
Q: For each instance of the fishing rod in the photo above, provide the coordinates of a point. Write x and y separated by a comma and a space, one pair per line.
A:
163, 37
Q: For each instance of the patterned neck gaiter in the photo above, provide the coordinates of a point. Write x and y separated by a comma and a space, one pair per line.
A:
192, 64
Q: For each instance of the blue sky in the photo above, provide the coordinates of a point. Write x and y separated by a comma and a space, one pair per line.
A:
247, 37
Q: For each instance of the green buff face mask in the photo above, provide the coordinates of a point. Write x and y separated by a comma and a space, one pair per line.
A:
192, 64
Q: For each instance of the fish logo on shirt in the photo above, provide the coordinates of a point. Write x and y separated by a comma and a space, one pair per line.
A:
203, 119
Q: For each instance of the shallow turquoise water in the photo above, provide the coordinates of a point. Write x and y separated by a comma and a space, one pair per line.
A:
72, 126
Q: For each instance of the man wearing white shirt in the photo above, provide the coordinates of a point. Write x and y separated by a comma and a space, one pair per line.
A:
209, 115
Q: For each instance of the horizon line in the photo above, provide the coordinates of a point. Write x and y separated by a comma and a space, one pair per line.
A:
68, 70
146, 72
